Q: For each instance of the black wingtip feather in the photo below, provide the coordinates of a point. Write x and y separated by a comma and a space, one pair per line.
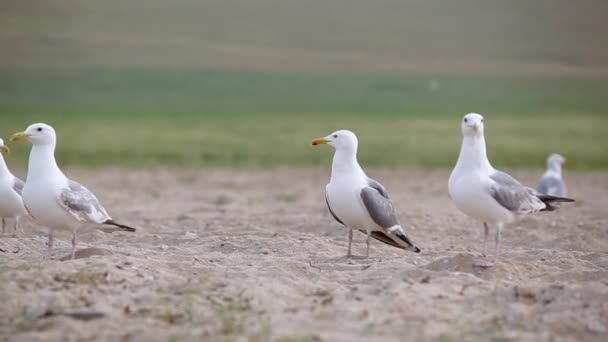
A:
121, 226
382, 237
551, 198
552, 202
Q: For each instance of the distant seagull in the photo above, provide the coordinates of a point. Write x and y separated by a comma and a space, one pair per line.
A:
50, 197
551, 183
11, 204
486, 194
357, 201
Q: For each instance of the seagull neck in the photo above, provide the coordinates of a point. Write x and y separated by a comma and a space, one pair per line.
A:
556, 168
42, 162
3, 168
345, 162
473, 153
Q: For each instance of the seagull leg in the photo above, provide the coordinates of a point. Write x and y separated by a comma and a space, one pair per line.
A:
3, 226
50, 243
367, 242
497, 239
16, 224
73, 254
484, 261
350, 242
486, 230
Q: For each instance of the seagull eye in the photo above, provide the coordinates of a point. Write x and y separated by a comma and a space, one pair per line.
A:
465, 119
39, 129
335, 135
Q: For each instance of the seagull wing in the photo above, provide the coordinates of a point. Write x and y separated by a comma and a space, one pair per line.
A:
380, 208
18, 185
551, 186
513, 196
82, 204
379, 205
331, 211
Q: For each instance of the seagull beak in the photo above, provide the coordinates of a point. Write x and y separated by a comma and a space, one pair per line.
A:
476, 127
566, 162
19, 136
319, 141
5, 149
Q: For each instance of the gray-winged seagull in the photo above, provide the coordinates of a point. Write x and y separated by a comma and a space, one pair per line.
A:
357, 201
50, 197
11, 203
486, 194
552, 183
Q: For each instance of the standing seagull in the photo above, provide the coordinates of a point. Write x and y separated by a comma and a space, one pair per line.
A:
359, 202
552, 183
50, 197
11, 204
486, 194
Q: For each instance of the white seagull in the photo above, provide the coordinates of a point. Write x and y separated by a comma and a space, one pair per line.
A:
50, 197
357, 201
486, 194
11, 204
552, 183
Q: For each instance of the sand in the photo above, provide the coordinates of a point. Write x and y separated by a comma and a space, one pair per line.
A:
255, 256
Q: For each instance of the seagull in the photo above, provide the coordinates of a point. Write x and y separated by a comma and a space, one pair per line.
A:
486, 194
357, 201
11, 204
50, 197
552, 183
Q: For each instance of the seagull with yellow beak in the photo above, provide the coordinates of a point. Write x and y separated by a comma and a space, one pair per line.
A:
486, 194
11, 203
50, 197
357, 201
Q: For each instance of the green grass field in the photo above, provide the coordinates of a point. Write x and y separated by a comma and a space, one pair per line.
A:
142, 117
248, 83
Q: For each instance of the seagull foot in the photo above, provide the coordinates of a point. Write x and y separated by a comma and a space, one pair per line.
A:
354, 258
369, 259
483, 262
342, 264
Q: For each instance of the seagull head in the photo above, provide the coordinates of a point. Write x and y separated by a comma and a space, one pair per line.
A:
472, 125
340, 140
3, 148
555, 161
37, 134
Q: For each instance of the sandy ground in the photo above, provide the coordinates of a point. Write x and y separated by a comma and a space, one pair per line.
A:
255, 255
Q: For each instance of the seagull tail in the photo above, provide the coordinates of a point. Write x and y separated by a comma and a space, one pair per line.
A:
121, 226
410, 244
551, 201
396, 237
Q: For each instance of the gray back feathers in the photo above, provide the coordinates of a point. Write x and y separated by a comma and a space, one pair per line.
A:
513, 196
378, 205
82, 203
18, 185
551, 186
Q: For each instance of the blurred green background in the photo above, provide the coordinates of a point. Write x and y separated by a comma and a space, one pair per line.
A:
248, 83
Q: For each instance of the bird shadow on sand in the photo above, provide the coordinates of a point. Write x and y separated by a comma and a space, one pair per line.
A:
353, 263
86, 253
466, 263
